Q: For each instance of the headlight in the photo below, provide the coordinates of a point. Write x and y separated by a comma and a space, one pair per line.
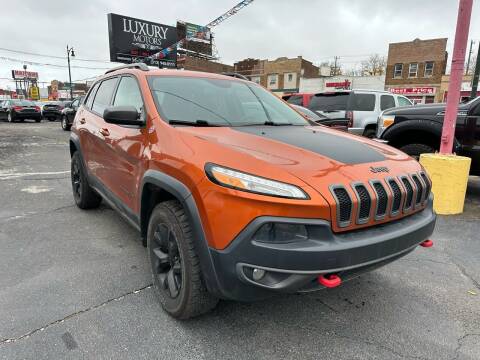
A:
245, 182
387, 120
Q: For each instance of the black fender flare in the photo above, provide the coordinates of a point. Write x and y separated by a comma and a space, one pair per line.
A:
183, 194
429, 126
75, 141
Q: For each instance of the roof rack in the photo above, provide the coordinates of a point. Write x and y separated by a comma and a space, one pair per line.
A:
236, 75
139, 66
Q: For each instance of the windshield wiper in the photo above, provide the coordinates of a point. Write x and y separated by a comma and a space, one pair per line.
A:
192, 123
271, 123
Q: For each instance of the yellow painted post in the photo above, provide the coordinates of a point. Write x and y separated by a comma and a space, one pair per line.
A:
449, 174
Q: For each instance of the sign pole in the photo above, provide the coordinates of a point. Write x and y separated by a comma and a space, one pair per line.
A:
456, 73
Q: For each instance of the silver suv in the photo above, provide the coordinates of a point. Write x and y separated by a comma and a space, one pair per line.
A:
360, 107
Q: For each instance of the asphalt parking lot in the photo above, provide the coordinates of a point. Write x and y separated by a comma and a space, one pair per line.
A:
76, 284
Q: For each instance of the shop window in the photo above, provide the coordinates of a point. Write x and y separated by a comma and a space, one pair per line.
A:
397, 71
413, 70
429, 68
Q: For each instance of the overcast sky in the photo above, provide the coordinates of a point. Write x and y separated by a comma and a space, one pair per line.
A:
315, 29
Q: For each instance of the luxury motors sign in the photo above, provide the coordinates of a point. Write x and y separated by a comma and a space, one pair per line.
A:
135, 40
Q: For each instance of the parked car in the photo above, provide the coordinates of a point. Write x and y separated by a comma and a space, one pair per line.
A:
13, 110
338, 124
302, 99
361, 107
418, 129
240, 201
52, 110
68, 113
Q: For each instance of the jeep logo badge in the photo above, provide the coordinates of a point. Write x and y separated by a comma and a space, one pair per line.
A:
379, 169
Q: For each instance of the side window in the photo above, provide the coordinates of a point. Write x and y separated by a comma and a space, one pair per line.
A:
74, 104
402, 101
387, 102
363, 102
128, 94
91, 96
104, 95
296, 100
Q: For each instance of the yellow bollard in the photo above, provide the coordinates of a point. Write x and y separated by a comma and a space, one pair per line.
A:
449, 174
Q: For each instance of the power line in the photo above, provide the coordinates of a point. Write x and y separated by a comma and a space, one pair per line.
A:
52, 56
51, 65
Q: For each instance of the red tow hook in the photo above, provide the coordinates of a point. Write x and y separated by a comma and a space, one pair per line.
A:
427, 243
329, 280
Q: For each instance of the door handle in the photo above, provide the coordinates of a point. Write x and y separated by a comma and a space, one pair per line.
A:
104, 132
82, 121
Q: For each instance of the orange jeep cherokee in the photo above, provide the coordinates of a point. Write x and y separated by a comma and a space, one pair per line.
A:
235, 194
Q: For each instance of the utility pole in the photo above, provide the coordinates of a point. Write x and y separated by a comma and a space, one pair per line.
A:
71, 53
335, 66
469, 56
476, 74
456, 74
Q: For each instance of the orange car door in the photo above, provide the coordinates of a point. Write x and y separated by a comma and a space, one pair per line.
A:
126, 145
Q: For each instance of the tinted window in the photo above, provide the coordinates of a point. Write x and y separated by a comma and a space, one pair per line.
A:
387, 102
128, 94
403, 101
103, 96
329, 102
220, 102
295, 99
91, 96
362, 102
22, 103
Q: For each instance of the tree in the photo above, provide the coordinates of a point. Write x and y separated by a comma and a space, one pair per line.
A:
374, 65
470, 67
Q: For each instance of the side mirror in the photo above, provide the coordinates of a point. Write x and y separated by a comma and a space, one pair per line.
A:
122, 115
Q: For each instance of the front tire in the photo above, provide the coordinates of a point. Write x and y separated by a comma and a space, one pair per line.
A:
177, 276
415, 150
85, 197
65, 125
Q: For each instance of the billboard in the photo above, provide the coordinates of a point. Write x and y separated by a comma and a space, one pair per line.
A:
23, 74
198, 39
134, 40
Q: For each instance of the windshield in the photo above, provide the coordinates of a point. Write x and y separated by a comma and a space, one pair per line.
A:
23, 103
219, 102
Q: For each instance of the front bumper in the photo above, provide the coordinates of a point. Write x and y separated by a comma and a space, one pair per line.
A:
295, 266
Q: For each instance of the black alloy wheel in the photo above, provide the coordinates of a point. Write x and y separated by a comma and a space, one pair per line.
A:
166, 260
177, 275
76, 181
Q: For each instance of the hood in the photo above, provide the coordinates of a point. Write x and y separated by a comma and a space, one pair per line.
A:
316, 155
426, 109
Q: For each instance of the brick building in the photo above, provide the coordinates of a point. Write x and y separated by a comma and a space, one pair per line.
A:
415, 68
199, 64
281, 75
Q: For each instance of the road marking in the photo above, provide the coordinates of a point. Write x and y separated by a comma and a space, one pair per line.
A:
10, 175
34, 189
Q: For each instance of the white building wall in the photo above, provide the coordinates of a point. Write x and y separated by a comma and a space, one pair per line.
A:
357, 82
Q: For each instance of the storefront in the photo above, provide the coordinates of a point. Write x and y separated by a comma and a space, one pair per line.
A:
419, 94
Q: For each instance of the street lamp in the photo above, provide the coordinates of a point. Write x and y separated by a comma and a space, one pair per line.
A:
71, 53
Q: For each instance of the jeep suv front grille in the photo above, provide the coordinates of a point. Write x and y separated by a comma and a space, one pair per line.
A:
364, 203
390, 197
397, 196
344, 205
419, 186
382, 199
409, 190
